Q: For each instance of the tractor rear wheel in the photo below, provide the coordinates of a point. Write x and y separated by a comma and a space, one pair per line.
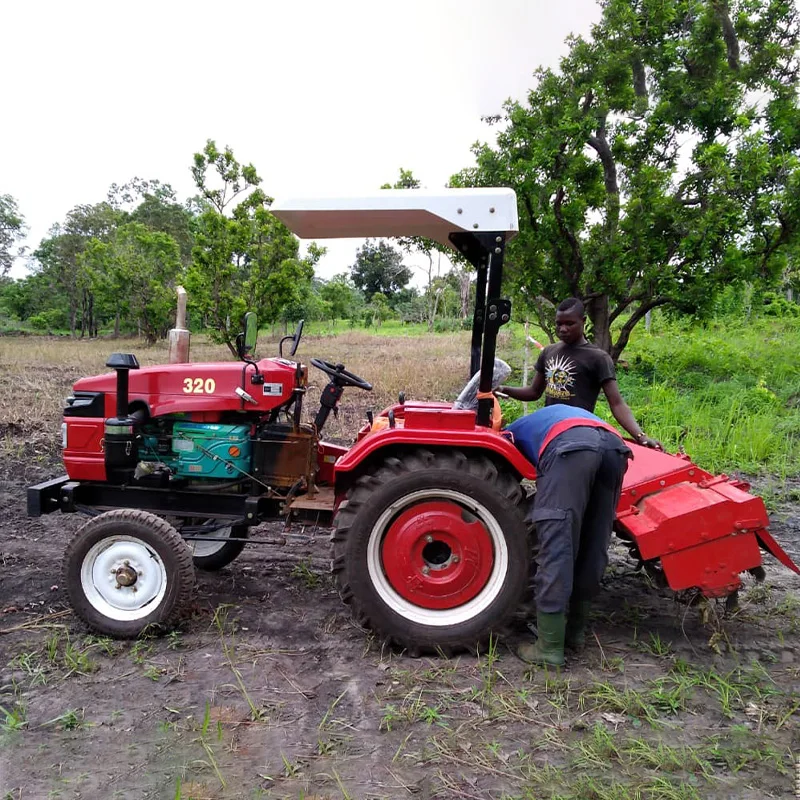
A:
430, 550
127, 570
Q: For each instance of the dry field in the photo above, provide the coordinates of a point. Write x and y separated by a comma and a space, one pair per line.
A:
268, 690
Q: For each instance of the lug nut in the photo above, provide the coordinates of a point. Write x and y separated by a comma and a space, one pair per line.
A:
429, 538
426, 570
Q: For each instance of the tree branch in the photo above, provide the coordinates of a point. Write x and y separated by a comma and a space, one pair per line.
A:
728, 33
577, 259
634, 319
599, 143
639, 81
526, 201
622, 305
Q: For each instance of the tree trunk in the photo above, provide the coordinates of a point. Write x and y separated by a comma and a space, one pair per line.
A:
92, 322
464, 282
598, 312
116, 324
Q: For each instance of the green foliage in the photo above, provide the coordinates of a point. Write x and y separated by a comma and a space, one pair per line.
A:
379, 269
340, 297
245, 261
137, 270
377, 311
658, 164
777, 306
50, 320
727, 393
21, 299
12, 230
61, 266
154, 205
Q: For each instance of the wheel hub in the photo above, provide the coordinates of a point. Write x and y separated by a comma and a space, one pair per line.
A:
123, 578
126, 575
437, 555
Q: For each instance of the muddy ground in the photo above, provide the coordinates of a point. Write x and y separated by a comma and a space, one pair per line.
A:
269, 690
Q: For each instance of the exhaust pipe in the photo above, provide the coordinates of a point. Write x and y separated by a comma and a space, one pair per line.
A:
179, 336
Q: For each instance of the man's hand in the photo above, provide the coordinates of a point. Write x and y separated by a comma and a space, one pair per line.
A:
646, 441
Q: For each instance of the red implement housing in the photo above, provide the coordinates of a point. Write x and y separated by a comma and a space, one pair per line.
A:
705, 530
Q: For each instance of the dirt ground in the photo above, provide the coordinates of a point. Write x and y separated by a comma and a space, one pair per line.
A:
269, 690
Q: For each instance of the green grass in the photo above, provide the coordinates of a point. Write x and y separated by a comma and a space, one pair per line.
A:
728, 393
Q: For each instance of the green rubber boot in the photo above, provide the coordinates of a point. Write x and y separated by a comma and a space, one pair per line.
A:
577, 620
548, 649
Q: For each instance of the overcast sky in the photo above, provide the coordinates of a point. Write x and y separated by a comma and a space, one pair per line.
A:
322, 97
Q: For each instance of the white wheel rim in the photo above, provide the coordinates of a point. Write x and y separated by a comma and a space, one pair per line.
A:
100, 584
201, 549
430, 616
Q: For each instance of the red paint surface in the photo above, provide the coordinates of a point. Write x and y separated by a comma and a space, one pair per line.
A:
456, 582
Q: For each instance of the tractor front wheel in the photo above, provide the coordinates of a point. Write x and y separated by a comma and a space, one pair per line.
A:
430, 550
126, 570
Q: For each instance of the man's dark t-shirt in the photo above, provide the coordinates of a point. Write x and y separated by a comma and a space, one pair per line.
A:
573, 374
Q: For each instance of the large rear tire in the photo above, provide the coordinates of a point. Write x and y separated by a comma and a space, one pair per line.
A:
128, 570
430, 550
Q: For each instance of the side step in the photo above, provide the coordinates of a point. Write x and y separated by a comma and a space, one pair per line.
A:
323, 499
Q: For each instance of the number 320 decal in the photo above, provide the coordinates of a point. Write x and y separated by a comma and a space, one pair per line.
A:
199, 386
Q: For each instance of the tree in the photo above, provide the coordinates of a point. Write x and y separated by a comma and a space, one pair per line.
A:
12, 230
658, 164
28, 296
341, 297
243, 257
137, 270
156, 205
379, 269
377, 311
59, 259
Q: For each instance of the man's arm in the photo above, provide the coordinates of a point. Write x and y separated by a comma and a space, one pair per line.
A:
526, 393
623, 414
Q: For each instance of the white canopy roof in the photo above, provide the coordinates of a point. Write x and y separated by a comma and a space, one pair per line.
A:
401, 212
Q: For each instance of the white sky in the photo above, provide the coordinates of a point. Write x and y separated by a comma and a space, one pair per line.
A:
322, 97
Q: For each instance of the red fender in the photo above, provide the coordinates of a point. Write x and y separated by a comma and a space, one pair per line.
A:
431, 425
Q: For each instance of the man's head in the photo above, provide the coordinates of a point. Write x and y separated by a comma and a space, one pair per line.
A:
570, 319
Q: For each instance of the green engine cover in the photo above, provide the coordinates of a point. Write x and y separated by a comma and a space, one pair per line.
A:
205, 450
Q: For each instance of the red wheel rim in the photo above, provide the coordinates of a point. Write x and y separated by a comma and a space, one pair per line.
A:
437, 555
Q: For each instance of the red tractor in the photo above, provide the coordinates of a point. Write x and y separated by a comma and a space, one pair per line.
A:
430, 545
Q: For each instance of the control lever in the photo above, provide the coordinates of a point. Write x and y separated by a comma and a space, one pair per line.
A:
328, 400
248, 398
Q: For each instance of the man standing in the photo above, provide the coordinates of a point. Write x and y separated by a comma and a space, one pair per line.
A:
580, 462
573, 371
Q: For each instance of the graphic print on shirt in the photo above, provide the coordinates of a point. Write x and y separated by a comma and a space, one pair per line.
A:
559, 373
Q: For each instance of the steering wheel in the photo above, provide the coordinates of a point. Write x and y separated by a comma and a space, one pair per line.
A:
339, 374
